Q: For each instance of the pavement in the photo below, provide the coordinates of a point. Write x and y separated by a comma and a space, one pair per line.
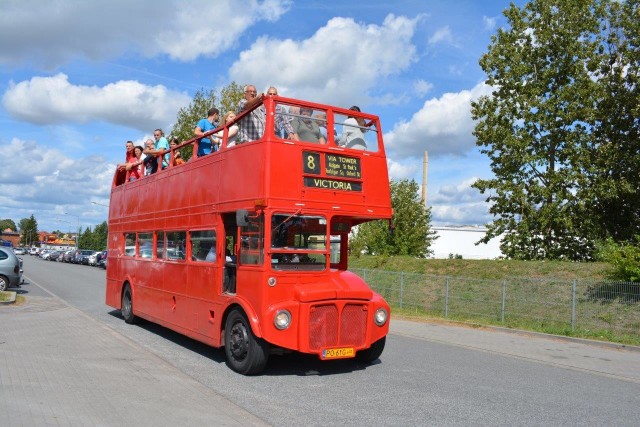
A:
58, 366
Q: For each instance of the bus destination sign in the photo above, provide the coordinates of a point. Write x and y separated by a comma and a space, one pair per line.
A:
334, 166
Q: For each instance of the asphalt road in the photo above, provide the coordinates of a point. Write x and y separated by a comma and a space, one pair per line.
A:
418, 380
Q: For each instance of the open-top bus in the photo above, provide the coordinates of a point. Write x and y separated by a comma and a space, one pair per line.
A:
246, 248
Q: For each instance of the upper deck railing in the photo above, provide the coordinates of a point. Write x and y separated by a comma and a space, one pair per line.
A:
289, 120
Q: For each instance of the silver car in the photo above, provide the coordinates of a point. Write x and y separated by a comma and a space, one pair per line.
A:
10, 271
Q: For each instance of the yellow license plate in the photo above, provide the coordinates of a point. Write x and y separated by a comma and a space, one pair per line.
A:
338, 353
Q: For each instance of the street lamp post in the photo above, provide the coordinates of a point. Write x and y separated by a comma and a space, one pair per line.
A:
78, 230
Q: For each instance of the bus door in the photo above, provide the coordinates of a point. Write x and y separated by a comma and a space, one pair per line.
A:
249, 250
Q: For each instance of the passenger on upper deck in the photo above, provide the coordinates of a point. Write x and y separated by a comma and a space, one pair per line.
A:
251, 127
232, 136
177, 157
162, 144
136, 165
206, 145
282, 121
307, 128
353, 132
129, 156
150, 161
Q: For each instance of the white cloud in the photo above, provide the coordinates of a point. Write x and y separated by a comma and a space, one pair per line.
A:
489, 23
459, 204
404, 169
442, 35
44, 180
421, 87
339, 64
442, 126
49, 100
52, 33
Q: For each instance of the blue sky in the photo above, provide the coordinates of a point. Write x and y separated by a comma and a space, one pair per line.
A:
78, 79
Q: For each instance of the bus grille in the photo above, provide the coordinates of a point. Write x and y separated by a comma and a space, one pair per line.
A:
328, 328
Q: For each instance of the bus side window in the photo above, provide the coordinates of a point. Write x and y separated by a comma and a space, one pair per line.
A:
130, 244
159, 244
176, 249
145, 245
203, 245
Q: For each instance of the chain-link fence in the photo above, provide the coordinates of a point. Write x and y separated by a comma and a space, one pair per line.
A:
569, 305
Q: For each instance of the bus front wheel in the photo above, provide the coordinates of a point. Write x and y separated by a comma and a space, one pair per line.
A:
373, 352
127, 305
246, 353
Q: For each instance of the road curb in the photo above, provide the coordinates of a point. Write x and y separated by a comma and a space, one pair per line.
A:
586, 341
12, 298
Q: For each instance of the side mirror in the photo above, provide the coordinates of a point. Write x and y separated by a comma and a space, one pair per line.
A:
242, 218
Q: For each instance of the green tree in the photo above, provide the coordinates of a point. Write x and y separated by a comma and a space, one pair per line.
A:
85, 239
543, 125
612, 192
100, 235
189, 116
411, 234
28, 231
8, 223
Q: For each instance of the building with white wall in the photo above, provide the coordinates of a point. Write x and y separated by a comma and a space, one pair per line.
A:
461, 241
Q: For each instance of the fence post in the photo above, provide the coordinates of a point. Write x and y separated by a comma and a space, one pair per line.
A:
504, 298
573, 306
446, 297
364, 274
401, 287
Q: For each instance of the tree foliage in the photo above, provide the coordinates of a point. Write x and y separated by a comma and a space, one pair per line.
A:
411, 226
562, 115
95, 239
189, 116
624, 259
7, 223
28, 231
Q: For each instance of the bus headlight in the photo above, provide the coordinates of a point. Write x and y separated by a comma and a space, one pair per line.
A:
282, 319
380, 317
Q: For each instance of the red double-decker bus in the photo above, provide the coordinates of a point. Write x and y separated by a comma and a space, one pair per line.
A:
246, 248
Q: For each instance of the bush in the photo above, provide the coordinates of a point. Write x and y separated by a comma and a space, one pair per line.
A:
624, 259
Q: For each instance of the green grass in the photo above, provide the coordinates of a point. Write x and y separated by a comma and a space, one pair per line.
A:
484, 269
528, 295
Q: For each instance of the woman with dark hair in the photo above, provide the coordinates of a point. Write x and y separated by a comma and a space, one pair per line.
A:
177, 156
353, 132
135, 164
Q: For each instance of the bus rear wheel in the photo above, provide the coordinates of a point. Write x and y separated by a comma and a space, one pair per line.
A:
373, 352
127, 306
246, 353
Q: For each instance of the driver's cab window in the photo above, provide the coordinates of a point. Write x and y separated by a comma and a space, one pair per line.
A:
252, 240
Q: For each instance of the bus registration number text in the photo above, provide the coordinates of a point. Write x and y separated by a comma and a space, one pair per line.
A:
338, 353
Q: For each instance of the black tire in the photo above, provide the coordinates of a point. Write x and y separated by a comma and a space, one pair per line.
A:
4, 283
373, 352
127, 306
246, 353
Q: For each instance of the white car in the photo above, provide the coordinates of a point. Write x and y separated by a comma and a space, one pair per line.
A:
33, 251
19, 251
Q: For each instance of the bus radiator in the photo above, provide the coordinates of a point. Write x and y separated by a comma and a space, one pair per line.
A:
328, 327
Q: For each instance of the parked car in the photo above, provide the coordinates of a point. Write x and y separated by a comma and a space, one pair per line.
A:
19, 251
83, 256
102, 259
53, 255
93, 259
44, 254
10, 271
33, 251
